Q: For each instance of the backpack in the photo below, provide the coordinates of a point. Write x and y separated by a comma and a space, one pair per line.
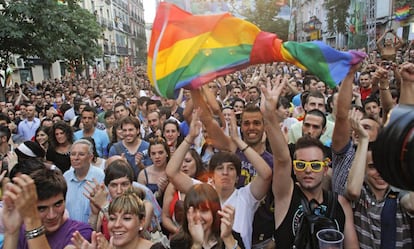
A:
311, 223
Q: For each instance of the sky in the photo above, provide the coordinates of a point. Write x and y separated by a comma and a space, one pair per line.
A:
149, 10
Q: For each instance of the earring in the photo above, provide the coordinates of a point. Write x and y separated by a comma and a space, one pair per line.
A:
140, 229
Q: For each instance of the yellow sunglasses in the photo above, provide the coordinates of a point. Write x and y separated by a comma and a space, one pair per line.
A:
316, 166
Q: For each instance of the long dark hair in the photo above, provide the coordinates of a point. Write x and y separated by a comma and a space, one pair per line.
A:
67, 129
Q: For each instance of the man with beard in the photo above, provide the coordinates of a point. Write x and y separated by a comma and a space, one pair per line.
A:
132, 146
252, 129
310, 170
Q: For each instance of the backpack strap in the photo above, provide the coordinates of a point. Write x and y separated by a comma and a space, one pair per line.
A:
305, 203
388, 221
300, 238
332, 202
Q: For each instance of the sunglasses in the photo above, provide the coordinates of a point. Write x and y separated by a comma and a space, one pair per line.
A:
316, 166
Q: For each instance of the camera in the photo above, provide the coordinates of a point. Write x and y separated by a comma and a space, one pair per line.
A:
396, 163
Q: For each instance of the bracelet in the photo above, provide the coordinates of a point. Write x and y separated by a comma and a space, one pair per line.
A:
105, 209
245, 148
188, 142
235, 244
35, 232
385, 88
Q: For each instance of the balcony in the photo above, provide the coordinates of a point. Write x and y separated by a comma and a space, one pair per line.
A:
106, 49
103, 22
126, 28
122, 50
110, 25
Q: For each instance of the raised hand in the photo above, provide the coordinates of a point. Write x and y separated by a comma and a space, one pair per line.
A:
195, 125
98, 241
22, 193
407, 72
227, 220
194, 226
355, 120
11, 217
270, 96
97, 195
233, 127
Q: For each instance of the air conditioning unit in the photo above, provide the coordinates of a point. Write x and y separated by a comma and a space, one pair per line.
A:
19, 62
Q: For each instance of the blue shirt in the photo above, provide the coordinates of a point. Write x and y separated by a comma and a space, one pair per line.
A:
76, 203
27, 129
101, 141
119, 148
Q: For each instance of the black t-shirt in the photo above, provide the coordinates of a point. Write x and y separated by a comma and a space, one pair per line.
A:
285, 233
62, 161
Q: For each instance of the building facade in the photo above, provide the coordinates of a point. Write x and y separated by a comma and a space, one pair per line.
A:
123, 41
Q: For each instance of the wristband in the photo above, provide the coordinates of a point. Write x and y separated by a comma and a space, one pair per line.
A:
35, 232
385, 88
245, 148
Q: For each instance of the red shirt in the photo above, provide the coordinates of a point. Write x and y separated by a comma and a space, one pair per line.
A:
365, 92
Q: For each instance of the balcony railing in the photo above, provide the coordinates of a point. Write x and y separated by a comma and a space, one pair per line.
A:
110, 25
122, 50
103, 22
106, 49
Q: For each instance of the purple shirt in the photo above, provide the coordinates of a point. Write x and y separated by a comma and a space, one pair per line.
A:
60, 238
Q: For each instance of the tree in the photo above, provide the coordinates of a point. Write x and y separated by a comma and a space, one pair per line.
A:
264, 15
47, 30
337, 14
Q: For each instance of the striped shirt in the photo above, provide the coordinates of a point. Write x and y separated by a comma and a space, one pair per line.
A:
341, 163
367, 219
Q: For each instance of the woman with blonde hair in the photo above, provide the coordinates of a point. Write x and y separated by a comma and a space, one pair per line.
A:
125, 224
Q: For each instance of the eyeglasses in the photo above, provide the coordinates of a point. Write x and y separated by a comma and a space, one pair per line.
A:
316, 166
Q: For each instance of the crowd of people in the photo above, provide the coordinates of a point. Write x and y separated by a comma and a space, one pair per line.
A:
107, 163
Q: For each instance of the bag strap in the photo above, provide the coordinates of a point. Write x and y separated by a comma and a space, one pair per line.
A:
389, 221
305, 203
332, 201
306, 211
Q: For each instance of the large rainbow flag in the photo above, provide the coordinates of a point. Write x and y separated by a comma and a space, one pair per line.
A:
188, 51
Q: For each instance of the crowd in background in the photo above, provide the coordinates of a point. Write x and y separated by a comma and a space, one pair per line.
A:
118, 161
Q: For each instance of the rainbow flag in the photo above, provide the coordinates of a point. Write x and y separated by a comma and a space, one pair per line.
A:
188, 51
402, 13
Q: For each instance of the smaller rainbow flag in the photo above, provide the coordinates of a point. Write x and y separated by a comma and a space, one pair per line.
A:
188, 51
402, 13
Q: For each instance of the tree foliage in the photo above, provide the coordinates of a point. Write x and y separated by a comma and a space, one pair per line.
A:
264, 15
337, 14
48, 30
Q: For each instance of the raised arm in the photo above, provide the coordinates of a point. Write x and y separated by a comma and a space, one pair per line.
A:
357, 171
385, 94
407, 84
23, 197
166, 219
400, 41
341, 132
379, 41
260, 184
220, 140
282, 185
181, 181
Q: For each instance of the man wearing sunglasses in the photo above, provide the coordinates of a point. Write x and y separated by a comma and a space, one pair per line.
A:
310, 170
